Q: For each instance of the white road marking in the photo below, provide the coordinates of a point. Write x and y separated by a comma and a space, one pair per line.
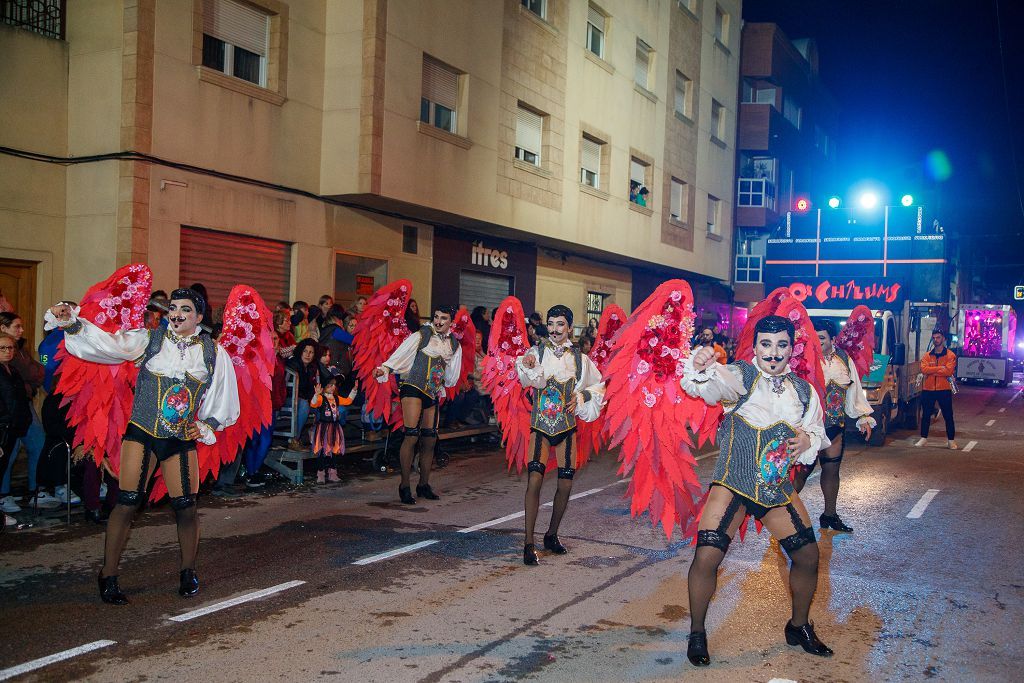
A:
781, 680
53, 659
395, 553
970, 446
493, 522
1002, 410
918, 509
217, 606
990, 423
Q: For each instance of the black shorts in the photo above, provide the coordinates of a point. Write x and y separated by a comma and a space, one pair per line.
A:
755, 510
162, 448
834, 431
409, 391
555, 440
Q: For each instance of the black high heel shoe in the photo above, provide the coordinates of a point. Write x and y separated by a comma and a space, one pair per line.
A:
804, 637
405, 495
530, 558
424, 491
189, 583
110, 592
697, 648
552, 543
833, 522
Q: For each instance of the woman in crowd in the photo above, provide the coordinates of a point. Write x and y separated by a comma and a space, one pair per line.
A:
15, 412
32, 374
306, 364
285, 342
412, 316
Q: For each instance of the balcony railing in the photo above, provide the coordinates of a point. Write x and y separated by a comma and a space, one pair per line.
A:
45, 17
755, 192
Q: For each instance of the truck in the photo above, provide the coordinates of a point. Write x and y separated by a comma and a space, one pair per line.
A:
987, 334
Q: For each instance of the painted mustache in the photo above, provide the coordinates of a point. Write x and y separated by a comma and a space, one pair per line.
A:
769, 359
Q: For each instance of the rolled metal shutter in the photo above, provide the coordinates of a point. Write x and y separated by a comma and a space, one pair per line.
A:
483, 289
440, 83
529, 130
221, 260
238, 24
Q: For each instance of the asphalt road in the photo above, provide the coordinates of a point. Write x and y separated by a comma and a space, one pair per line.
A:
931, 597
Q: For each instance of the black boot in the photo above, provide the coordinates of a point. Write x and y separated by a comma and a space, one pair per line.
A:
530, 555
424, 491
110, 592
96, 516
405, 495
552, 543
833, 522
804, 637
189, 584
697, 649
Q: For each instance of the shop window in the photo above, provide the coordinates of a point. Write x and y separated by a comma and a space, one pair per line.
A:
529, 134
440, 97
236, 40
410, 239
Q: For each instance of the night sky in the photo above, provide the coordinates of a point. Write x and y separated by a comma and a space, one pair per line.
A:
915, 78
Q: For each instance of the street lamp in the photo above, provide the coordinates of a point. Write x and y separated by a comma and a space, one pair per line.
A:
907, 200
868, 200
834, 202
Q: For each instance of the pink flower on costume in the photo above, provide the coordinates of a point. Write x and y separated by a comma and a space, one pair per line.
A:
798, 349
643, 367
650, 399
794, 315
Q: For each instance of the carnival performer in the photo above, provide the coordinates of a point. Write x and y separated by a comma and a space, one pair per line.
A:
568, 387
844, 397
185, 392
428, 361
772, 419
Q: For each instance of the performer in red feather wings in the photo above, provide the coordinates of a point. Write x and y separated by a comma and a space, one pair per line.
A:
187, 388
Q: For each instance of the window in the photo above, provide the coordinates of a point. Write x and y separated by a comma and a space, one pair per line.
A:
595, 31
748, 267
538, 7
639, 182
717, 119
440, 94
755, 192
792, 112
721, 26
595, 305
590, 161
642, 74
529, 131
684, 87
410, 239
678, 201
754, 95
45, 17
236, 39
714, 205
689, 5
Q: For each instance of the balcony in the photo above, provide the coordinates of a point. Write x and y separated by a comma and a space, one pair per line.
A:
45, 17
755, 202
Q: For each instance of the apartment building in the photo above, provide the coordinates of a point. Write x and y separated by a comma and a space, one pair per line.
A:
562, 150
786, 148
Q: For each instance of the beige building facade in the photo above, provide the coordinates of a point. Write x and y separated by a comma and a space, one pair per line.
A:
327, 146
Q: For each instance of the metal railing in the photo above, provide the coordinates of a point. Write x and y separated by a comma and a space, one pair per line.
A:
45, 17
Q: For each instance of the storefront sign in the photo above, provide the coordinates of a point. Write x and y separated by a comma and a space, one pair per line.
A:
846, 293
485, 256
364, 285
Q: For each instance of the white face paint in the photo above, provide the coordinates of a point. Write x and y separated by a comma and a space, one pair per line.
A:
182, 317
826, 342
442, 322
772, 351
558, 329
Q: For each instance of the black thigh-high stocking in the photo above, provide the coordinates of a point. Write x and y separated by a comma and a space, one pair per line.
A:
428, 440
534, 482
792, 527
720, 519
563, 454
411, 409
137, 466
830, 459
182, 486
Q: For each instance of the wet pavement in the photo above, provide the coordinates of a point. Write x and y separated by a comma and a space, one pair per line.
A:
935, 597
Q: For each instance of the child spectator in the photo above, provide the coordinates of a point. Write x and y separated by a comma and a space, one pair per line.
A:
328, 433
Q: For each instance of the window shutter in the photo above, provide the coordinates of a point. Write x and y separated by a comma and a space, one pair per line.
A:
237, 24
529, 127
643, 58
483, 289
440, 84
595, 18
636, 171
590, 155
677, 199
221, 260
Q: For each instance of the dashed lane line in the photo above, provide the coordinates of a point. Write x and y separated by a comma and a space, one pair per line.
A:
53, 659
918, 509
990, 423
1002, 410
247, 597
970, 446
395, 553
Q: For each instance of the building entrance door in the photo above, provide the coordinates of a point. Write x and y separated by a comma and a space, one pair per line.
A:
18, 294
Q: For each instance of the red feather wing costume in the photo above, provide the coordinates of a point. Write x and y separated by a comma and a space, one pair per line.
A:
648, 413
857, 338
590, 436
509, 340
380, 330
464, 330
247, 337
100, 396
